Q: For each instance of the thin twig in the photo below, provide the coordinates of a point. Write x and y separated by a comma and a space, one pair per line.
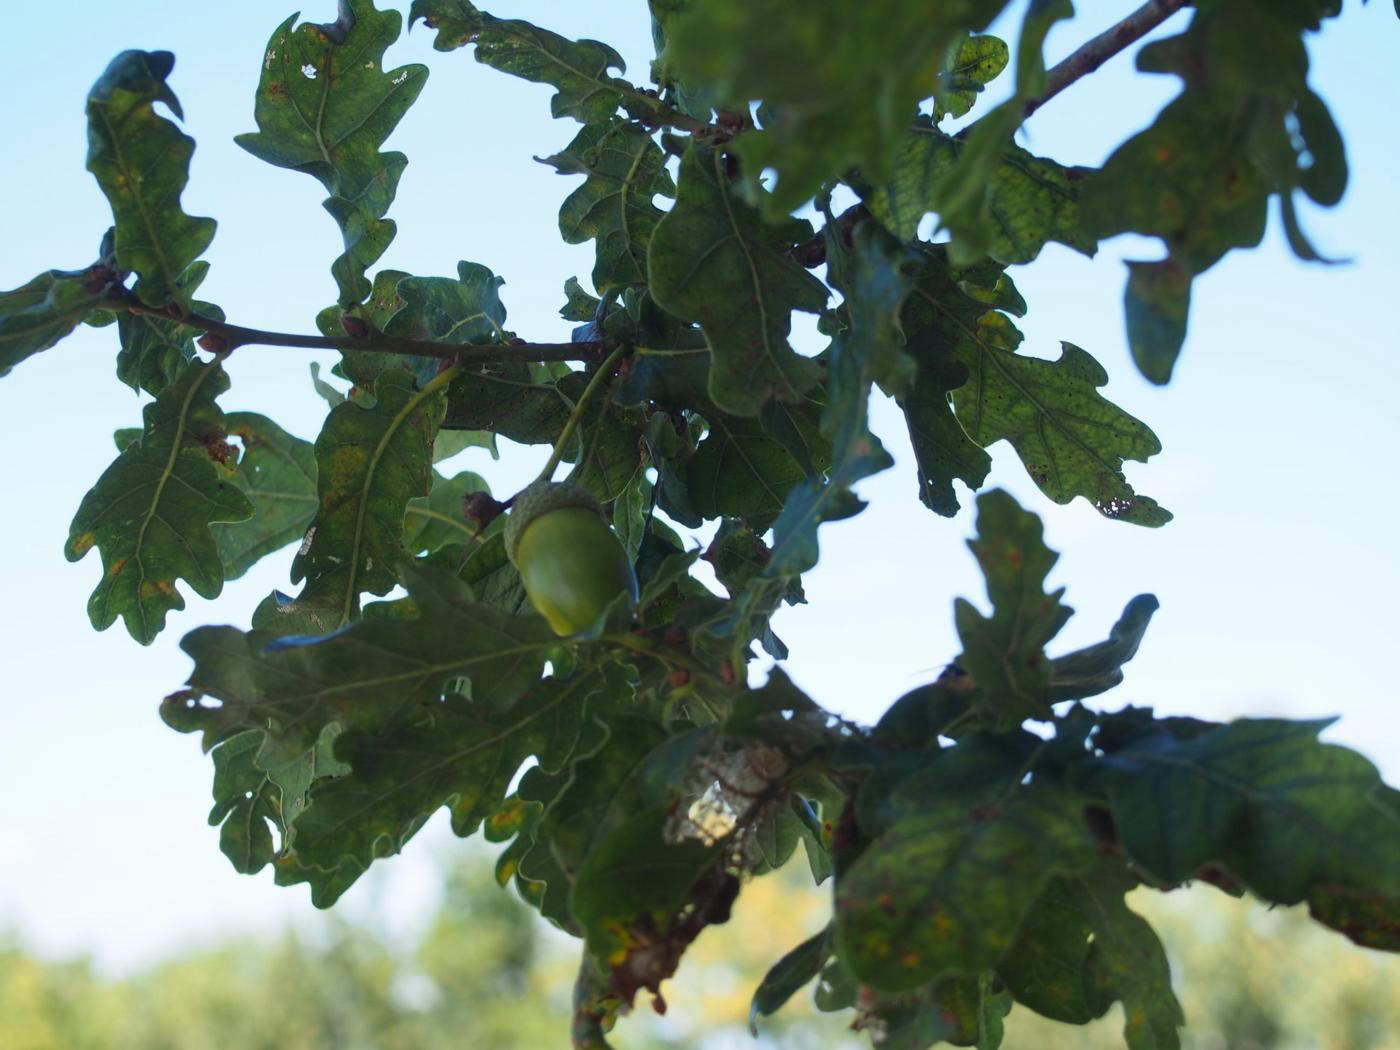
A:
594, 385
224, 338
1101, 48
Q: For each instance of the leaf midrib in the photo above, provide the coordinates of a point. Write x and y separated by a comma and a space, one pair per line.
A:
166, 472
352, 591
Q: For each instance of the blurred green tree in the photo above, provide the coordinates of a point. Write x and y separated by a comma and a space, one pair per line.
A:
488, 972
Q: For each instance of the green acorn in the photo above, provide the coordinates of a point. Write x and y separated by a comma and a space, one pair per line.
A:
571, 562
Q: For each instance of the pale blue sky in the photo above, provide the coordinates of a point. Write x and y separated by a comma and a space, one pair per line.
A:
1278, 578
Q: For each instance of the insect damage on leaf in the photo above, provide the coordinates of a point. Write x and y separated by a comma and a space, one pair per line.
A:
563, 673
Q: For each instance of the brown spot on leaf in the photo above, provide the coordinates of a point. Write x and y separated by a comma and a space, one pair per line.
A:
154, 588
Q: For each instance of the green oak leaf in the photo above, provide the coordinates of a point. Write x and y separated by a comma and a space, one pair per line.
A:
741, 470
246, 804
625, 170
694, 101
840, 79
1072, 440
40, 313
791, 424
370, 462
124, 436
461, 753
574, 806
1370, 919
813, 502
325, 104
142, 163
837, 988
965, 189
1246, 126
1030, 200
277, 472
1099, 668
1132, 724
919, 717
669, 444
436, 520
712, 260
746, 618
738, 555
331, 394
493, 579
963, 1011
670, 361
633, 876
579, 69
1128, 962
977, 62
374, 673
579, 305
875, 275
663, 569
450, 443
774, 838
249, 802
467, 310
630, 512
607, 454
154, 348
1053, 967
150, 513
1005, 652
1155, 305
457, 22
942, 449
789, 974
1291, 818
510, 400
363, 367
944, 889
980, 769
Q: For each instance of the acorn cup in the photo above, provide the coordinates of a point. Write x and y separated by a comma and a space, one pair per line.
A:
571, 562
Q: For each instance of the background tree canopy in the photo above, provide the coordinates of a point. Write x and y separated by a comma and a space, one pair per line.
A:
1253, 984
980, 838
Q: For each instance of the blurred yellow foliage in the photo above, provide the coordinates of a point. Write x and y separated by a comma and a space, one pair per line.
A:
488, 974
